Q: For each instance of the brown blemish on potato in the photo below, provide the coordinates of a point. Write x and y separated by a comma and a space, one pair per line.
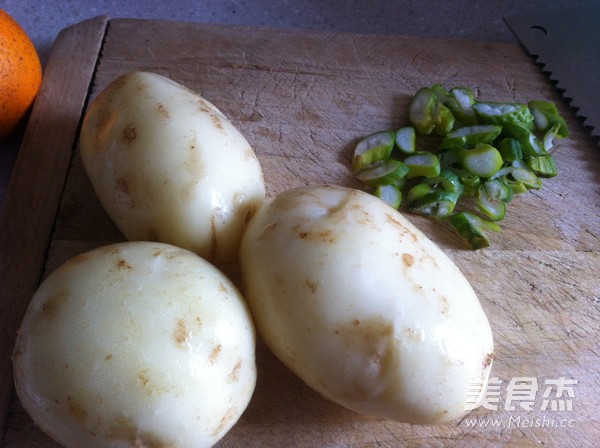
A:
392, 219
412, 234
249, 153
414, 334
445, 304
312, 285
230, 414
122, 184
123, 264
327, 236
223, 288
369, 329
108, 357
217, 122
365, 218
408, 259
53, 304
235, 373
215, 118
388, 330
214, 354
129, 134
181, 333
144, 378
127, 186
151, 388
76, 409
194, 165
162, 110
203, 106
104, 128
403, 229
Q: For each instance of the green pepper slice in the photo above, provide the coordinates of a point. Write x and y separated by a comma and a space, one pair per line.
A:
372, 148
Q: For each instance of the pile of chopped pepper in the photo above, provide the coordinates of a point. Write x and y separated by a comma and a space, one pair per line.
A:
490, 151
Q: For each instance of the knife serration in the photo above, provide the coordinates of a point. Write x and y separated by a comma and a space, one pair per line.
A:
566, 44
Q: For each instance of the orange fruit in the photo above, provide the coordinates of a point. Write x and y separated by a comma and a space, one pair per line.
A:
20, 74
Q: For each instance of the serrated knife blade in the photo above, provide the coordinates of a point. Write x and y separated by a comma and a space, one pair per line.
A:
567, 46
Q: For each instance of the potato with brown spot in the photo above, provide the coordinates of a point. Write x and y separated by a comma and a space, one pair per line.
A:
136, 344
169, 166
363, 307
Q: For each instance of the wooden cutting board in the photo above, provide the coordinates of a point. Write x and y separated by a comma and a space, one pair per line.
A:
303, 99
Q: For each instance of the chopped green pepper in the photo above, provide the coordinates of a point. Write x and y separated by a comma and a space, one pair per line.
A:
442, 94
504, 113
515, 186
549, 136
448, 180
472, 228
510, 149
487, 150
420, 111
484, 160
390, 194
543, 165
443, 119
498, 190
374, 147
437, 204
383, 172
545, 115
422, 163
418, 191
470, 183
530, 144
471, 135
461, 105
521, 173
406, 139
495, 210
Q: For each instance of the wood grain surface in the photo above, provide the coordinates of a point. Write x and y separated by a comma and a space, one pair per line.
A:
38, 180
303, 99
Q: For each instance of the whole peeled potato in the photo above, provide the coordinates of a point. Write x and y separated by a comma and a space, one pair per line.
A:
136, 344
363, 307
168, 166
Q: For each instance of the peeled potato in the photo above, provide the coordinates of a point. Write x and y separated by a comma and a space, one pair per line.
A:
168, 166
363, 307
136, 344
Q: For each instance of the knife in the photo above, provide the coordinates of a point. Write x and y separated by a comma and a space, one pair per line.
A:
567, 46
